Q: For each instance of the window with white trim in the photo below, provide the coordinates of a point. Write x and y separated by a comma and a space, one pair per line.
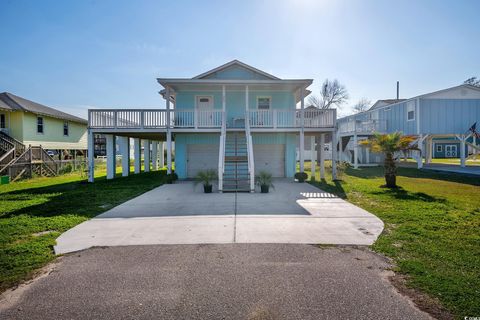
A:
40, 125
263, 103
65, 128
439, 148
411, 111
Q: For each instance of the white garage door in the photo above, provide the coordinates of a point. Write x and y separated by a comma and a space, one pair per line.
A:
270, 158
201, 157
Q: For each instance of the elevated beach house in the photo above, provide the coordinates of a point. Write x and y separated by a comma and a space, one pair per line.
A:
440, 120
235, 119
28, 129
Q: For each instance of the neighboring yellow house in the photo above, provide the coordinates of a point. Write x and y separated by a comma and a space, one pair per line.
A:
34, 124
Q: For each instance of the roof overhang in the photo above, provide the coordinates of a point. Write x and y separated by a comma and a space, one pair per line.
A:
292, 85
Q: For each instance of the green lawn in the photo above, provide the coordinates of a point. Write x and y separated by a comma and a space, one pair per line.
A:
33, 213
432, 229
468, 162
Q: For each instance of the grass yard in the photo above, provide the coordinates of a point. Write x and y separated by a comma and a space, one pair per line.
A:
432, 229
33, 213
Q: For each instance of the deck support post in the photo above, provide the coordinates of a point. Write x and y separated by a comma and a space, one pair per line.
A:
312, 156
340, 147
420, 151
169, 132
111, 156
91, 156
124, 143
334, 155
162, 154
355, 150
322, 155
301, 155
462, 150
155, 155
428, 151
137, 155
367, 155
146, 155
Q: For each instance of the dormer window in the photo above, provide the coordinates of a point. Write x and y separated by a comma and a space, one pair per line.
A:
263, 103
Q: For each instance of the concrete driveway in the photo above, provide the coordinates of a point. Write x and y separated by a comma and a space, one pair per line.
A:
241, 281
182, 214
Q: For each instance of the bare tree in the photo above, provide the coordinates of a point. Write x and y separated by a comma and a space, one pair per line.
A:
362, 105
473, 81
333, 93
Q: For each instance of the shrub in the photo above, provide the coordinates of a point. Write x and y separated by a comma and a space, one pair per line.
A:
301, 176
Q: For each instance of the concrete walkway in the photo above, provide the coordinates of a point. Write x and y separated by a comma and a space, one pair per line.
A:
183, 214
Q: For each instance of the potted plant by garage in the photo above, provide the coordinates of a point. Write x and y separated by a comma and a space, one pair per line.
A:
206, 177
264, 180
172, 177
301, 176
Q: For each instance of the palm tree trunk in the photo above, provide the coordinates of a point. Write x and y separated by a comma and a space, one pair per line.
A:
390, 171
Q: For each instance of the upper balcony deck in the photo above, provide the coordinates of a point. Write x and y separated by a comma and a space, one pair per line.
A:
151, 120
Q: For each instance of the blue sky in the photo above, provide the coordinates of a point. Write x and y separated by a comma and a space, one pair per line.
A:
78, 54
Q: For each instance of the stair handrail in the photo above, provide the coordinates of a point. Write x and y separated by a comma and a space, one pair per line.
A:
16, 143
221, 153
251, 166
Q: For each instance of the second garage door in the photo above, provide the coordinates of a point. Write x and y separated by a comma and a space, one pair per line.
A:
201, 157
270, 158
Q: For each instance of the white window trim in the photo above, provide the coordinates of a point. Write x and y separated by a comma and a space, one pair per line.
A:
43, 125
204, 96
265, 97
68, 128
411, 107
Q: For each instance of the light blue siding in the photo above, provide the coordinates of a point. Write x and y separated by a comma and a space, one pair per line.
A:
184, 139
395, 118
448, 116
237, 72
235, 101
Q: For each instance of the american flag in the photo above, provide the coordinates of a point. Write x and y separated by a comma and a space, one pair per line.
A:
474, 131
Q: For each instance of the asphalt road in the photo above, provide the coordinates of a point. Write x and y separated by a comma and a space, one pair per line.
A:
232, 281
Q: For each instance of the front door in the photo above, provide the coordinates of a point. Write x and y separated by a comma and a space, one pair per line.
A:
450, 151
204, 103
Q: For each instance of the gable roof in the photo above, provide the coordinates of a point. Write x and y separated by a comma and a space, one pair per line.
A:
232, 64
385, 102
12, 102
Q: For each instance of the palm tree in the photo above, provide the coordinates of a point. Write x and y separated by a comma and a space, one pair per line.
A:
388, 144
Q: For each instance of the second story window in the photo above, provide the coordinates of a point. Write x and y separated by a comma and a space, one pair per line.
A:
263, 103
40, 125
411, 111
65, 128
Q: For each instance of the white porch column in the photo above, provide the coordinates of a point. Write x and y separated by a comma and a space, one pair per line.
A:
420, 151
124, 143
91, 156
367, 155
301, 155
462, 151
146, 155
355, 151
334, 155
322, 156
137, 155
428, 151
169, 133
162, 154
155, 155
111, 156
340, 148
312, 156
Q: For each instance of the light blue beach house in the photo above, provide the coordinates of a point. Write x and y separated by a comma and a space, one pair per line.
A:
235, 119
440, 120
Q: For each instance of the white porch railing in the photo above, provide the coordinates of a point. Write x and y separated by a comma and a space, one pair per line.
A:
278, 118
153, 118
365, 127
